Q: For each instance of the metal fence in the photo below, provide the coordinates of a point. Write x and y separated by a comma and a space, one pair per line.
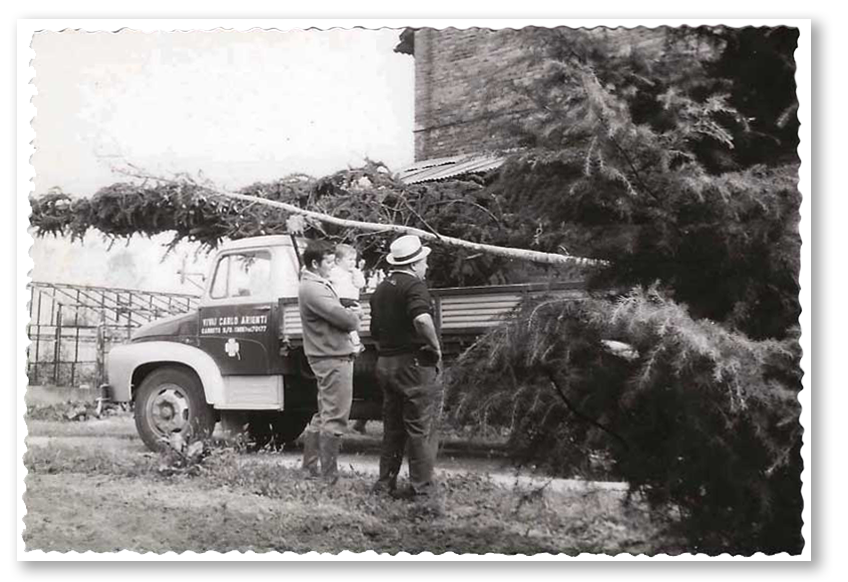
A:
72, 327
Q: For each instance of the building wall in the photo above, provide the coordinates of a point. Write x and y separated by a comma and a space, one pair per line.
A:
460, 80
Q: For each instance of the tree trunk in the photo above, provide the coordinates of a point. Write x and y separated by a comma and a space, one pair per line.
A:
512, 253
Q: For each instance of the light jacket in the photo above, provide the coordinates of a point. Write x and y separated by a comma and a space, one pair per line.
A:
326, 324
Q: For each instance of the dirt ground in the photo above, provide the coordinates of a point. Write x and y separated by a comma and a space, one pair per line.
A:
93, 485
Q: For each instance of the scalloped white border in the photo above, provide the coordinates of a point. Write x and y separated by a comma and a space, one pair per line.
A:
25, 173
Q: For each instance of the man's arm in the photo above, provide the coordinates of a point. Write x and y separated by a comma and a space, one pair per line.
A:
321, 301
427, 329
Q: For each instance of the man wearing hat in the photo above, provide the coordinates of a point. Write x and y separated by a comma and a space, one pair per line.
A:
407, 369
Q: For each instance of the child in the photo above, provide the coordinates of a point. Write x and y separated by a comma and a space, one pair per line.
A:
347, 279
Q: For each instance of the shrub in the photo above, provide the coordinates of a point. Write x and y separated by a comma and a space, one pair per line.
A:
692, 415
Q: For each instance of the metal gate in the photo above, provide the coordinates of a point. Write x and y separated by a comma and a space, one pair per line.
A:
72, 328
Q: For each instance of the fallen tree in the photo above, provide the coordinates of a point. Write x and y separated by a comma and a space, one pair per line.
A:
365, 206
382, 228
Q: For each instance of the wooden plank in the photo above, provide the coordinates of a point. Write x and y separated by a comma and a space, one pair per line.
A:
479, 308
477, 317
521, 288
481, 299
484, 307
471, 320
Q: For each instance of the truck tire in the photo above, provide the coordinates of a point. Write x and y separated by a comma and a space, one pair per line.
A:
274, 430
171, 400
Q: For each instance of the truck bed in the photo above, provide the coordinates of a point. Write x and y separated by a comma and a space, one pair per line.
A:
459, 311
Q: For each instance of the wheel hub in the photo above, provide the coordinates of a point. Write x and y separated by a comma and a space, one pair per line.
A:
169, 410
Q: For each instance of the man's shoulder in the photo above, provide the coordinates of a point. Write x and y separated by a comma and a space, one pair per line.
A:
410, 286
403, 278
414, 283
306, 283
396, 281
312, 286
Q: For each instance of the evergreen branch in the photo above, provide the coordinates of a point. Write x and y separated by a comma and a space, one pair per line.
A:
421, 218
470, 203
568, 404
781, 459
509, 252
623, 153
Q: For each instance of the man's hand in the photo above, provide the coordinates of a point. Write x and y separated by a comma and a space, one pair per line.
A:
430, 356
440, 366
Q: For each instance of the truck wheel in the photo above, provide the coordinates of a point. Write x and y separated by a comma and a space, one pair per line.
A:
276, 429
171, 400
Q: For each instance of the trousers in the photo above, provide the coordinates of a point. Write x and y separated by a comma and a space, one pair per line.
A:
335, 394
412, 404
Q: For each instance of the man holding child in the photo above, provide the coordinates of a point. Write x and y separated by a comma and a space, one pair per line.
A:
327, 329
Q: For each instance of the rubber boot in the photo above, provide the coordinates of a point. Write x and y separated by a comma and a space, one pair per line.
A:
391, 459
329, 449
422, 464
310, 454
427, 502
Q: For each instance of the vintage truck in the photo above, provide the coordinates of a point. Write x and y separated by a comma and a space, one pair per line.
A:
239, 359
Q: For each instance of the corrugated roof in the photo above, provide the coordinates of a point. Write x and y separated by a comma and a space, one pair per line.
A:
442, 168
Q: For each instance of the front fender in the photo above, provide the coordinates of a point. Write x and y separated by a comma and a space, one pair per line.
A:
123, 360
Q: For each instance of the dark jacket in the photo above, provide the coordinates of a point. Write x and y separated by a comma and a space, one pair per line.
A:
395, 304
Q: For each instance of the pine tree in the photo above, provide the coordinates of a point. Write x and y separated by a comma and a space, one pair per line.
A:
645, 149
632, 156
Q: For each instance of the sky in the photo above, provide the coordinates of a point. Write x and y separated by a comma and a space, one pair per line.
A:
234, 107
238, 106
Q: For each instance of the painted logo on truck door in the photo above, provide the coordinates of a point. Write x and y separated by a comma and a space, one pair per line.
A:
232, 348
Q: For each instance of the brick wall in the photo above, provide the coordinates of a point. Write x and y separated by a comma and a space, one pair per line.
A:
459, 85
459, 76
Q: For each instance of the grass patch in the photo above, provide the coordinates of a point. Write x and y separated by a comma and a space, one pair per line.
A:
117, 426
72, 411
83, 459
480, 515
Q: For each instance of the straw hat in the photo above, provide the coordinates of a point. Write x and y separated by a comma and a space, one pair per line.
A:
406, 250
